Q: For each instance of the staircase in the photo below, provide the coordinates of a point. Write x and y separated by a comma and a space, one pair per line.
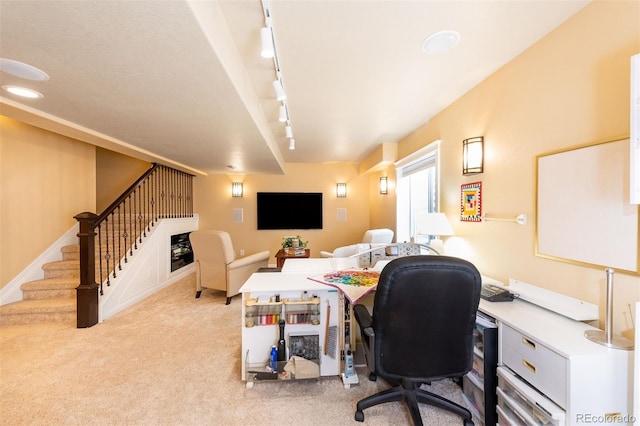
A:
51, 299
160, 192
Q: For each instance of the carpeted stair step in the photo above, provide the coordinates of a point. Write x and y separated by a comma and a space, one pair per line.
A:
71, 252
38, 311
54, 288
62, 269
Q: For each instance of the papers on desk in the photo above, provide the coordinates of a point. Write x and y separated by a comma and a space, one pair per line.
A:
353, 283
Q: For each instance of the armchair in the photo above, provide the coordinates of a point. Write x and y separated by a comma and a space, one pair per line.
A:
216, 264
421, 330
378, 236
372, 236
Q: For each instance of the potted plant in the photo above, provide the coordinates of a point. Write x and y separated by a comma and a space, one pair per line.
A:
293, 242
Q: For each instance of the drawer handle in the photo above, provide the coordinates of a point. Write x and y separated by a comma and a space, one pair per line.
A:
529, 343
528, 365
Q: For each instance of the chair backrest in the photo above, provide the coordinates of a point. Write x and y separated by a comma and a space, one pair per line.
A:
378, 236
210, 245
214, 251
424, 316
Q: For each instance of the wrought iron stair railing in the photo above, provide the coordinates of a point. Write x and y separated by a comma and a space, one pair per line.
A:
108, 240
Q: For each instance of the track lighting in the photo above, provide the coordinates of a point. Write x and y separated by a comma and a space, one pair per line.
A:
268, 49
277, 87
266, 43
282, 117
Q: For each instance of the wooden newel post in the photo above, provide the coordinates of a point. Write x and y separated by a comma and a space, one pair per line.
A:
87, 291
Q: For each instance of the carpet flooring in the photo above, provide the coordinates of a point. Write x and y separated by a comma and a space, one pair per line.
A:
171, 360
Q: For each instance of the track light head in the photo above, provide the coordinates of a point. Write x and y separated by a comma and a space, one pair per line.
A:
282, 116
266, 43
277, 87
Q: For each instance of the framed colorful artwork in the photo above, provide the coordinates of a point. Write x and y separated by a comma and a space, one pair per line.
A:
471, 202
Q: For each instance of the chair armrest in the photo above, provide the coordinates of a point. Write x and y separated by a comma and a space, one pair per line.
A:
248, 260
363, 317
326, 254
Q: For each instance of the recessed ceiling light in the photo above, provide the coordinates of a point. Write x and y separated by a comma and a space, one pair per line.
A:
441, 41
22, 70
23, 92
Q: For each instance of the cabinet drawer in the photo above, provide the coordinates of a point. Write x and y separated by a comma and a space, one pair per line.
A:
541, 367
474, 396
518, 401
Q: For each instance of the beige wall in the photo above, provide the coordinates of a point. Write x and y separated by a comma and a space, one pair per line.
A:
114, 173
214, 204
382, 208
45, 180
570, 88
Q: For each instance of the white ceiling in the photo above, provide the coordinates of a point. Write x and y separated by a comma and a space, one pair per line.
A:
183, 81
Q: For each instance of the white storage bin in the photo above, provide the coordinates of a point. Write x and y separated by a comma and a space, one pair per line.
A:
521, 404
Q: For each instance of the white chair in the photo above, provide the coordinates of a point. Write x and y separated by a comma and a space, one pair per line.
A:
372, 236
216, 264
378, 236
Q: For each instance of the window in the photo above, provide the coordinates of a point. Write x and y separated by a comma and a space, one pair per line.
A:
417, 192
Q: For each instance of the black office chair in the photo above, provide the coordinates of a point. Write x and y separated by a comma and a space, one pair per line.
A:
421, 331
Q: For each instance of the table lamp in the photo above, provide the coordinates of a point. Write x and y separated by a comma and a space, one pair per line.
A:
435, 225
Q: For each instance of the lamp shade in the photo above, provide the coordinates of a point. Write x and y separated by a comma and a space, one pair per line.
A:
341, 190
435, 224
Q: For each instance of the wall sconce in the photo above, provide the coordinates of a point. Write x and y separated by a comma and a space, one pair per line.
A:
236, 189
383, 185
473, 155
341, 190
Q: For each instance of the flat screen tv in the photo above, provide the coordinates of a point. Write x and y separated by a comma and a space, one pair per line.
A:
289, 210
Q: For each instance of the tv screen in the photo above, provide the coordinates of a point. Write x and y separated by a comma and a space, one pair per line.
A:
289, 210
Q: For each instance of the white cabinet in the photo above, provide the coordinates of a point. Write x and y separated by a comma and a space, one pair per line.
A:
311, 312
589, 382
536, 363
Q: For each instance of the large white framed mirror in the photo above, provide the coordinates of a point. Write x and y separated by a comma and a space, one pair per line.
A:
584, 215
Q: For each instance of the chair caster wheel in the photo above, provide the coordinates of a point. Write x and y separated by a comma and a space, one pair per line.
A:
359, 416
373, 377
249, 385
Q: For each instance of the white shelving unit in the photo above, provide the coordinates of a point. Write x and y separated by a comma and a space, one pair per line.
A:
304, 304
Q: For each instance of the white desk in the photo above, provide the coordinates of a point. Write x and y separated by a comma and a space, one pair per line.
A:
586, 379
592, 381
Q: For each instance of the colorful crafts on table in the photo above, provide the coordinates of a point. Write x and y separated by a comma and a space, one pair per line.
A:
365, 278
353, 283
